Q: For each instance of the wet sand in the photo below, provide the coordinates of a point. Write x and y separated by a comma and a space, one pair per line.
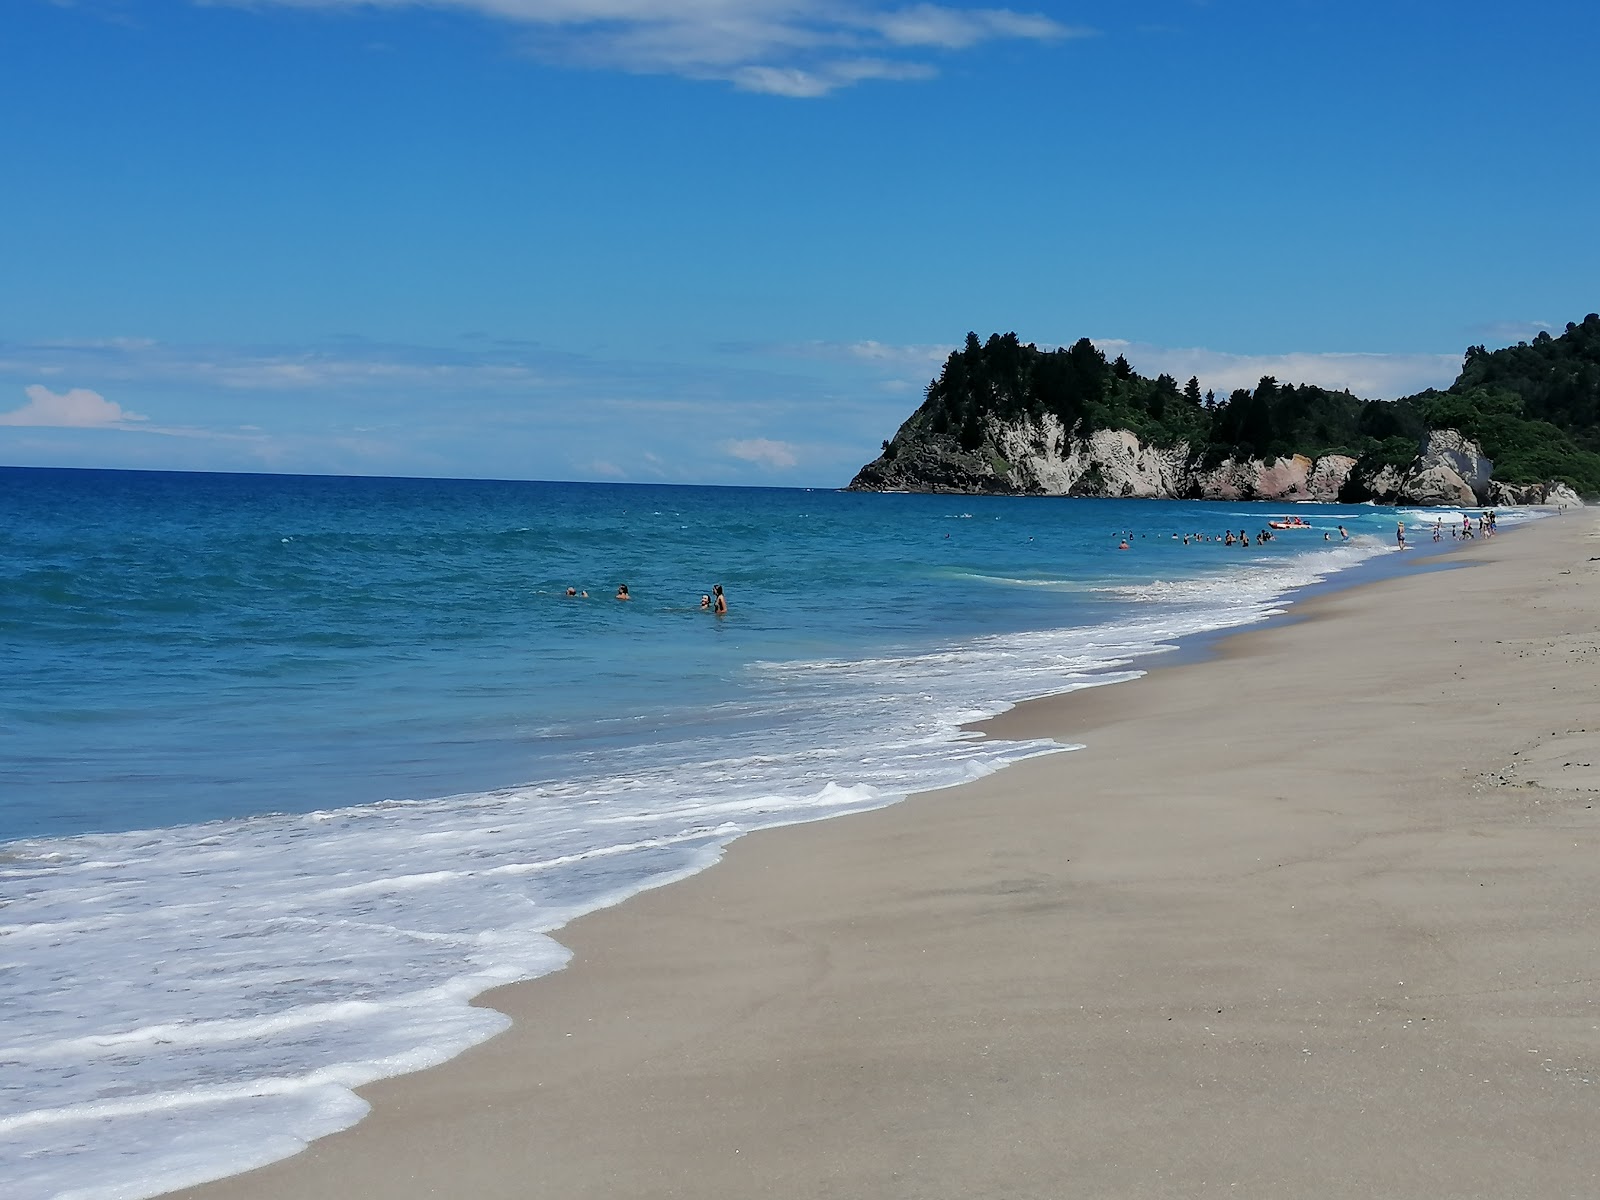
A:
1318, 916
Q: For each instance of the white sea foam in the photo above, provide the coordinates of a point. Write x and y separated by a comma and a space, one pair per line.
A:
1425, 517
247, 975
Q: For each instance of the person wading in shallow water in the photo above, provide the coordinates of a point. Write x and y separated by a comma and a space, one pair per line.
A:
719, 602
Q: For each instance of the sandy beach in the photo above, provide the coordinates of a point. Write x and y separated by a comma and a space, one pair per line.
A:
1313, 917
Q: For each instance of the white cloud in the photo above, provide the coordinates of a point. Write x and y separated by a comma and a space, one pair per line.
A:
957, 28
885, 354
1367, 375
116, 343
796, 48
78, 408
1504, 333
804, 85
268, 369
763, 451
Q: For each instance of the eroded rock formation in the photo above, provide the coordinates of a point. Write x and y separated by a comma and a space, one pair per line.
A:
1037, 457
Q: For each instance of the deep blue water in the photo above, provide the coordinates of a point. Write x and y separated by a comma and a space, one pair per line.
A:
182, 647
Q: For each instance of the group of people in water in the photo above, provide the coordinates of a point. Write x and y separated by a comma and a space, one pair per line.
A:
713, 601
1242, 538
1486, 525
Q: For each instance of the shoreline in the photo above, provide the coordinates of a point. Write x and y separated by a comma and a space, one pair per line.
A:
658, 1057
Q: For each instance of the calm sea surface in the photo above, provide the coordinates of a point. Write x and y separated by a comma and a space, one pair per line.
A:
291, 768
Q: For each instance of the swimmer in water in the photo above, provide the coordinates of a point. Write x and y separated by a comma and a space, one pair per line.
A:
1123, 545
719, 602
622, 592
705, 602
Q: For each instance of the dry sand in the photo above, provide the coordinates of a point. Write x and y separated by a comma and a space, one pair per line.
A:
1318, 916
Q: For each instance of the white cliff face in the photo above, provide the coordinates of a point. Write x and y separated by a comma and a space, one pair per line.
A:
1036, 456
1110, 462
1329, 475
1228, 480
1447, 453
1560, 493
1436, 485
1554, 495
1039, 453
1450, 470
1385, 485
1114, 462
1295, 478
1512, 494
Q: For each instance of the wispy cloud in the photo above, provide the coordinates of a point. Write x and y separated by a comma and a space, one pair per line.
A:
1367, 375
1504, 333
867, 351
77, 408
485, 406
353, 365
763, 451
511, 374
83, 408
795, 48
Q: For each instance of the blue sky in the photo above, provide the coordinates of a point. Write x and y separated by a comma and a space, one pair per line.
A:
729, 242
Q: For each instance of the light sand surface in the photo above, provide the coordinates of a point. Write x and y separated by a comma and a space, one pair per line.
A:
1316, 917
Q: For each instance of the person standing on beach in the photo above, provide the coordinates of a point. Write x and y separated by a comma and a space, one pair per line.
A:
1400, 534
719, 602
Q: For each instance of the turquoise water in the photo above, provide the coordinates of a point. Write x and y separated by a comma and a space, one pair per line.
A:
290, 768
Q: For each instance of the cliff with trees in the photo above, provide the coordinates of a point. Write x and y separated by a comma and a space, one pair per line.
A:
1519, 425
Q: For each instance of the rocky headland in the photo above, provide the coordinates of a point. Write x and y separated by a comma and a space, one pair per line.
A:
1038, 458
1520, 425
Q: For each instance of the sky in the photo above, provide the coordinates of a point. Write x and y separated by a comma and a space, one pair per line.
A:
730, 241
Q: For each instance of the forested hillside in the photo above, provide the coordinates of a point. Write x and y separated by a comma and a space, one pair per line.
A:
1533, 407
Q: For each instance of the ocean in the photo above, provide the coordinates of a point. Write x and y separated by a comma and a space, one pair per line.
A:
291, 768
